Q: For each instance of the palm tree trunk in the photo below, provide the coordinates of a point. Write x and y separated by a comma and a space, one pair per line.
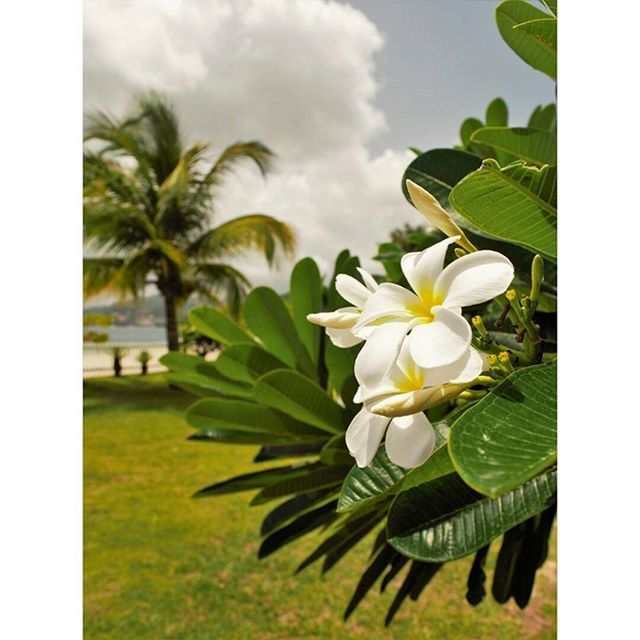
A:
172, 322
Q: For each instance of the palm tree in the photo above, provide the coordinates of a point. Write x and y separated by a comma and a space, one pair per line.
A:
148, 201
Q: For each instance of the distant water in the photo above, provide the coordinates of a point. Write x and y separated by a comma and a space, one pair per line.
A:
132, 333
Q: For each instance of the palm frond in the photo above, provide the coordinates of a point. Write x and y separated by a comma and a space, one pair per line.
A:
253, 232
160, 123
100, 275
211, 279
254, 150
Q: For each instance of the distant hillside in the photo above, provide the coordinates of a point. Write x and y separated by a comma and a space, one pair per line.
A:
149, 310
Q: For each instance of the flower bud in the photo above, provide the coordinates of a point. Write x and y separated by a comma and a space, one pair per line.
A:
429, 207
537, 278
405, 404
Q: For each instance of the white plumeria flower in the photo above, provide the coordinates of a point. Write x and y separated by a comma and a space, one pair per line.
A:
410, 439
430, 313
409, 388
340, 322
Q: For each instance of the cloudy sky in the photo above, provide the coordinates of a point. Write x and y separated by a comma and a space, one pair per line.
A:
338, 90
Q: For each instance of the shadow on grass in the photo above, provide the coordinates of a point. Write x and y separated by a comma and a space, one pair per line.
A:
133, 393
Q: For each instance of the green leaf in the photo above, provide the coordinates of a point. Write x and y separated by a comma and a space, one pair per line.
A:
368, 484
233, 436
294, 507
345, 537
246, 362
516, 204
445, 519
370, 577
438, 171
182, 362
306, 297
537, 45
307, 522
217, 326
320, 477
532, 145
439, 464
210, 382
467, 128
300, 398
268, 318
511, 434
543, 118
245, 482
217, 413
497, 113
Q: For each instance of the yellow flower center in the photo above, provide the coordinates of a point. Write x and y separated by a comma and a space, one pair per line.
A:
428, 300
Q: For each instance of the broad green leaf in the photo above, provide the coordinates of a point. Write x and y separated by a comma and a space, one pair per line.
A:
233, 436
210, 382
307, 522
306, 297
268, 318
183, 362
339, 363
532, 145
552, 5
218, 413
245, 482
317, 478
439, 464
516, 204
347, 535
367, 484
467, 128
294, 507
509, 436
497, 113
217, 326
543, 118
301, 398
438, 171
535, 46
246, 362
445, 519
370, 577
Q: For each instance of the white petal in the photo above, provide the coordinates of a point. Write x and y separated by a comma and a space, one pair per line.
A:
344, 318
442, 341
364, 435
389, 300
410, 440
343, 338
380, 352
368, 279
357, 398
474, 278
352, 290
422, 269
465, 369
426, 204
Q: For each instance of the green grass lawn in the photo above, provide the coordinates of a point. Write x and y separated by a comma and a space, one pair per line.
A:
160, 565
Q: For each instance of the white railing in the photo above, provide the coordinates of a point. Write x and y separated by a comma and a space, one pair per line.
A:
98, 359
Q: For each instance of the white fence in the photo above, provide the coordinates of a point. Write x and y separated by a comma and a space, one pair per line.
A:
98, 359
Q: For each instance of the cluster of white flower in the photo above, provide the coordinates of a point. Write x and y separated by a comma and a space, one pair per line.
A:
417, 350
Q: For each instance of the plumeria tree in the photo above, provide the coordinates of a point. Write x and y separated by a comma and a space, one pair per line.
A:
415, 408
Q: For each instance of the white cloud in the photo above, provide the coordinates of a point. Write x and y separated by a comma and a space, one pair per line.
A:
298, 75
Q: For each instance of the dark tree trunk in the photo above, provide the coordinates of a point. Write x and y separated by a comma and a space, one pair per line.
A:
117, 367
172, 322
144, 369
